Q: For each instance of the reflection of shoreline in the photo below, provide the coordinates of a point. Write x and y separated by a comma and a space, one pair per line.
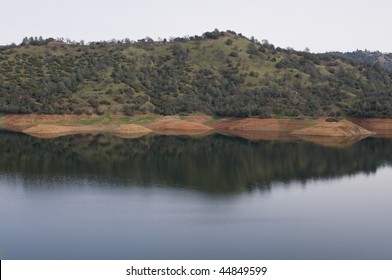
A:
328, 141
212, 164
334, 142
259, 135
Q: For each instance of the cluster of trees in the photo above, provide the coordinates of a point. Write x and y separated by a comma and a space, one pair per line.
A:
219, 73
36, 41
373, 106
384, 59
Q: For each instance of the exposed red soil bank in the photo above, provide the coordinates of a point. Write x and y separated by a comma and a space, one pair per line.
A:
383, 127
48, 131
175, 126
249, 128
334, 129
254, 124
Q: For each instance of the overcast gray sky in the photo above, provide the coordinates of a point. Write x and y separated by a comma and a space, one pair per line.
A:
342, 25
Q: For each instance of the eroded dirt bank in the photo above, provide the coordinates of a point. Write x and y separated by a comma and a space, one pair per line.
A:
334, 129
48, 130
60, 125
383, 127
172, 125
254, 124
249, 128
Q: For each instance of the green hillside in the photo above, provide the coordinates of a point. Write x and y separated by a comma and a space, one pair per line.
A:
219, 73
384, 59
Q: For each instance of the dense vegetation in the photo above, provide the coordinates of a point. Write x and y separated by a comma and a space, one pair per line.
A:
219, 73
384, 59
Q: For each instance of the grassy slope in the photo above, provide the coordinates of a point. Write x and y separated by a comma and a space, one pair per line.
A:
24, 69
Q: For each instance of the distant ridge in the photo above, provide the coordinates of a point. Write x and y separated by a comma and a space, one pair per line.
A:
384, 59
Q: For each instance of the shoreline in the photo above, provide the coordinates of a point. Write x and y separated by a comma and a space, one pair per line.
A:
285, 129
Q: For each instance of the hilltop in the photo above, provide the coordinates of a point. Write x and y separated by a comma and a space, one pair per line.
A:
383, 59
218, 73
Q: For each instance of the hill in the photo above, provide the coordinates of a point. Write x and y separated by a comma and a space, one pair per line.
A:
218, 73
384, 59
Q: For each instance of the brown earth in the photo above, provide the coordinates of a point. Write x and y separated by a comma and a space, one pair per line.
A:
335, 129
175, 126
60, 125
261, 129
19, 123
254, 124
340, 134
32, 119
129, 130
202, 119
383, 127
248, 128
50, 131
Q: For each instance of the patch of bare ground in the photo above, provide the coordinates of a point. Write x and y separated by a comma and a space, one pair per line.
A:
178, 127
261, 129
59, 125
254, 124
51, 131
20, 123
32, 119
200, 125
383, 127
129, 130
335, 129
202, 119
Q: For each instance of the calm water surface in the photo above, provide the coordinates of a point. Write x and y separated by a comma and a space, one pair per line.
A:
163, 197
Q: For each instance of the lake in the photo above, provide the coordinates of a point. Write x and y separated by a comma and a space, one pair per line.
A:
213, 197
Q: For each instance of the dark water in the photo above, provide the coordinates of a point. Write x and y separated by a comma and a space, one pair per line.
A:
163, 197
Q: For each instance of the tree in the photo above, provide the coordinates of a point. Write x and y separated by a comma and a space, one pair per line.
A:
212, 35
252, 49
228, 42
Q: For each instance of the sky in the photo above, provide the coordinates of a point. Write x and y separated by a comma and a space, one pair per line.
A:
333, 25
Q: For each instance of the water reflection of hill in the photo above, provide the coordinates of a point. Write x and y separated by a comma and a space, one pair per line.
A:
215, 163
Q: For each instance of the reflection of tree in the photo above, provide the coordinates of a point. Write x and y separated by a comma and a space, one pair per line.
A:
212, 164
